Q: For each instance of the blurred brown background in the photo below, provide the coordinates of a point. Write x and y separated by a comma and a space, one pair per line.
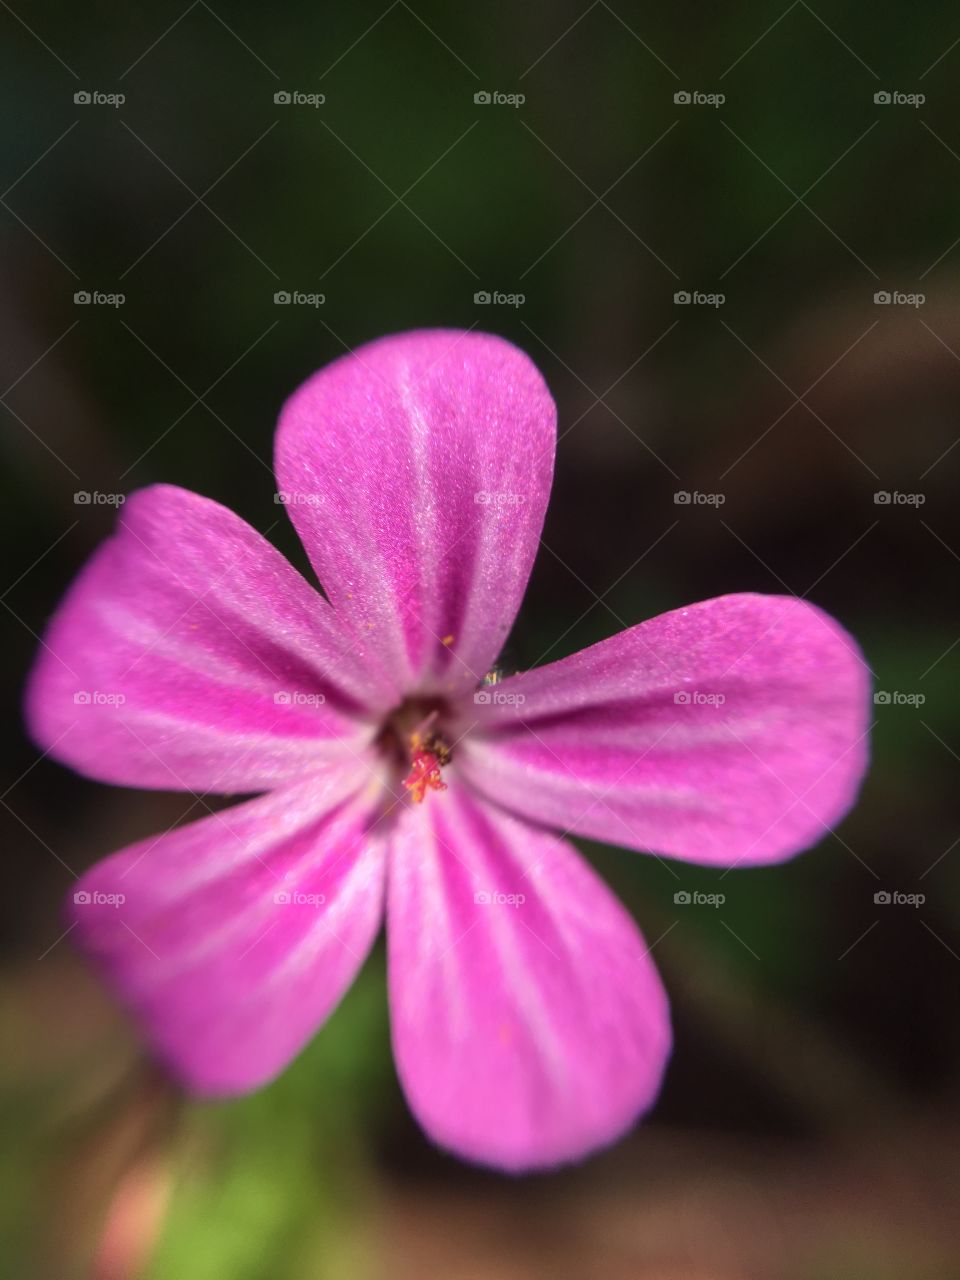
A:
809, 1123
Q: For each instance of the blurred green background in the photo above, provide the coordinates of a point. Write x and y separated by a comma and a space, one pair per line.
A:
809, 1123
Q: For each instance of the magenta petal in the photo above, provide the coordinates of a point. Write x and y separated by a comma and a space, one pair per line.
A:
529, 1023
190, 654
417, 471
733, 731
231, 939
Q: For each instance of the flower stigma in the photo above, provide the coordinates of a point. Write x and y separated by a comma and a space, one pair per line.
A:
417, 747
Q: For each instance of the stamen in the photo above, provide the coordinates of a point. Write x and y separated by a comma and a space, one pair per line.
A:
424, 774
412, 739
428, 754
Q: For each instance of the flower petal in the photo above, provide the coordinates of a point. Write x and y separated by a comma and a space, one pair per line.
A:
231, 939
190, 655
732, 731
417, 471
529, 1023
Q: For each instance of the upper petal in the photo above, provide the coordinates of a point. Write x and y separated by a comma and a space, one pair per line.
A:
190, 654
732, 731
417, 471
231, 939
529, 1023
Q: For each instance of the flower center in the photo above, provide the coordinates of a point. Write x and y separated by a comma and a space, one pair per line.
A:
413, 742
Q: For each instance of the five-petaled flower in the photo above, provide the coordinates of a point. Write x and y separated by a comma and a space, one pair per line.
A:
529, 1023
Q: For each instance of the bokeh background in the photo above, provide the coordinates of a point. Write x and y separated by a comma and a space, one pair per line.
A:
810, 1120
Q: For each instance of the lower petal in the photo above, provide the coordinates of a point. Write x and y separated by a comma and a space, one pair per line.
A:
529, 1023
231, 939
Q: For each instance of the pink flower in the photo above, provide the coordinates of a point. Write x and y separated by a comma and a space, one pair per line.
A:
529, 1023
